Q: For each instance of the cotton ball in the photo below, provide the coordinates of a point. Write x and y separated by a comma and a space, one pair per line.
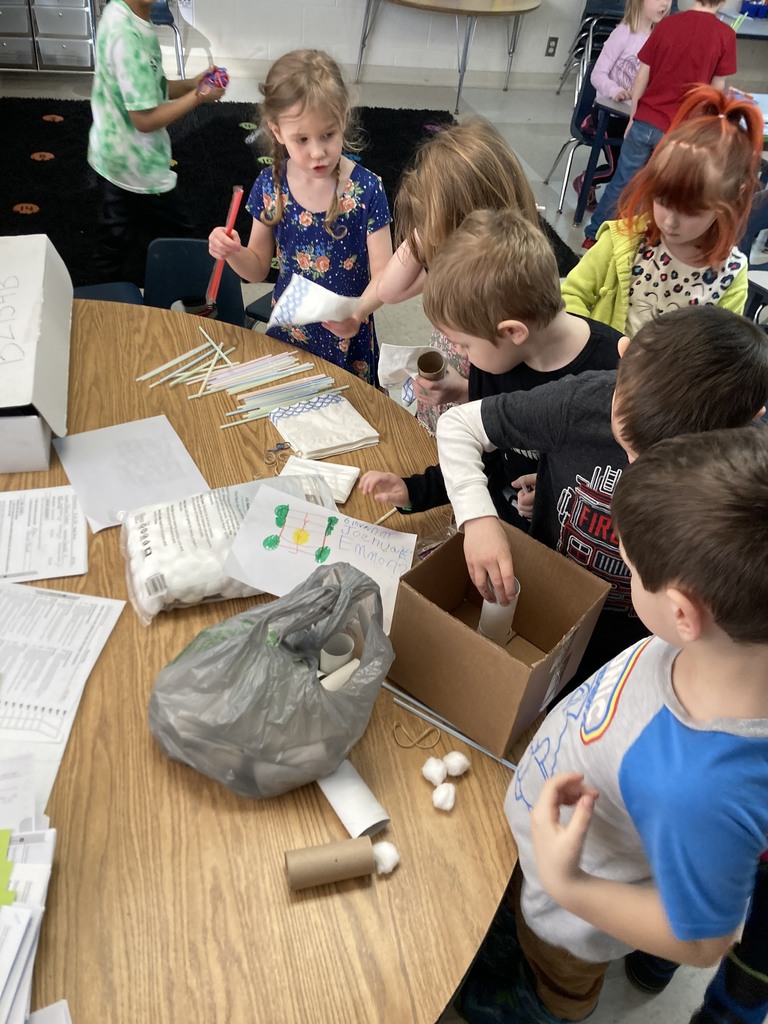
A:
386, 857
444, 797
456, 763
434, 771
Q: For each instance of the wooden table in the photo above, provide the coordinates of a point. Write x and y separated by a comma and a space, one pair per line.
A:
168, 902
471, 10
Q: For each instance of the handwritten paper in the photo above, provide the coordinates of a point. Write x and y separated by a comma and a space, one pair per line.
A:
281, 541
127, 466
42, 534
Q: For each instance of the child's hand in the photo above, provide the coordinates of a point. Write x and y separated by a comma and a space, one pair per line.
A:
525, 486
209, 94
451, 390
486, 550
385, 487
221, 245
557, 847
623, 94
343, 328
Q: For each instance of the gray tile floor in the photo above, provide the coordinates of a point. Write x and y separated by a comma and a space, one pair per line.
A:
535, 123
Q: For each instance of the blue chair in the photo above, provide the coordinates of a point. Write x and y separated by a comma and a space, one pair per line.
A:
118, 291
161, 14
584, 104
180, 268
598, 19
260, 310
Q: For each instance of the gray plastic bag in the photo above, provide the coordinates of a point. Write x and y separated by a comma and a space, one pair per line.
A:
242, 703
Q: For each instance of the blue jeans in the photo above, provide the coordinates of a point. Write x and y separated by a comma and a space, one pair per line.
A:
636, 150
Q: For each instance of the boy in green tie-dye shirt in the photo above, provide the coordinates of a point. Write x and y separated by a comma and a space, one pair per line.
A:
129, 146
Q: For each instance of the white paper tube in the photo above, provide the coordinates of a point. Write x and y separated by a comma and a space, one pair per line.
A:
358, 810
335, 680
496, 619
337, 652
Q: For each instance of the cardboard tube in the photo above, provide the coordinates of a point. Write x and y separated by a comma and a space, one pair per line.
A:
334, 862
337, 651
335, 680
496, 619
431, 365
358, 810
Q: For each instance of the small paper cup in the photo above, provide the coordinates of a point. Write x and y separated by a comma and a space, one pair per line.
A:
337, 652
431, 365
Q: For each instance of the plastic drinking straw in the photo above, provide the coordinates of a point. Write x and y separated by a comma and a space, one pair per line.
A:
218, 268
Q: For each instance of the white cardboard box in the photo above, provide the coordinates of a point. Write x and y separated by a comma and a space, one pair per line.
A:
35, 323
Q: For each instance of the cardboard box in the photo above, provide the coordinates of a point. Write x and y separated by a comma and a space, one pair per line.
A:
35, 324
491, 693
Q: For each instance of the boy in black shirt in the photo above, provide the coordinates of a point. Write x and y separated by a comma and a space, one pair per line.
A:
494, 291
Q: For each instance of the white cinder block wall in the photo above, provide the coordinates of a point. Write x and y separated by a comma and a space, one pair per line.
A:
406, 45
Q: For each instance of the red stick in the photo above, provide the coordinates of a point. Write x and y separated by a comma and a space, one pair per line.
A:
218, 268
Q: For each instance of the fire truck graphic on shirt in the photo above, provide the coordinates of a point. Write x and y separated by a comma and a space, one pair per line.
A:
587, 535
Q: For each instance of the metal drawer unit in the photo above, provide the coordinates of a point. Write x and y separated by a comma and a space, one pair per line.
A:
47, 35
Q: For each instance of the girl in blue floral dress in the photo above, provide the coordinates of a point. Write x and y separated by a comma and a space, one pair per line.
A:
326, 215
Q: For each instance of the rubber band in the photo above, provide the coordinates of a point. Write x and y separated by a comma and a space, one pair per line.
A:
420, 741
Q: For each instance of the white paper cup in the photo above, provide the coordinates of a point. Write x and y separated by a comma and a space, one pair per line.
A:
337, 652
496, 619
431, 365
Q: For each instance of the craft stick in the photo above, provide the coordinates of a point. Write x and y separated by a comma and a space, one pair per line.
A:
385, 517
171, 362
440, 724
218, 268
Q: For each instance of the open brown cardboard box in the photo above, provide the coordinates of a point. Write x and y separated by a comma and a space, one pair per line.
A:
491, 693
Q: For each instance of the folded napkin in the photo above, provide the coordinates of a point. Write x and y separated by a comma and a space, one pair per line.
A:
322, 426
340, 479
305, 302
398, 363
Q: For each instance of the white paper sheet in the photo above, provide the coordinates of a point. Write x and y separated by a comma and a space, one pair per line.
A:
43, 534
306, 302
14, 924
49, 642
398, 363
17, 793
280, 543
117, 469
16, 989
32, 847
56, 1013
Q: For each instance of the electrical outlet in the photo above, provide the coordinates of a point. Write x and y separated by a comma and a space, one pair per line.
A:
551, 46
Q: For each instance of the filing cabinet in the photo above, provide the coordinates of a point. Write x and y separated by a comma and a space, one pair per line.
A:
47, 35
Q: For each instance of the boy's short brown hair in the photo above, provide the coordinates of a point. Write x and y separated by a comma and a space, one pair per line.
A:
496, 266
693, 369
692, 512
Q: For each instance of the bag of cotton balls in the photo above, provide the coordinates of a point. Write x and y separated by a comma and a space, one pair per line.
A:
175, 553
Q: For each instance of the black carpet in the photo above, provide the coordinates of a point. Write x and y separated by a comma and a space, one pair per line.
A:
49, 189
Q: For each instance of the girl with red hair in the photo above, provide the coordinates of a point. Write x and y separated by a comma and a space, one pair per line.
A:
679, 219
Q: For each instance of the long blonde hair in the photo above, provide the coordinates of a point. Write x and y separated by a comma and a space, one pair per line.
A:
463, 168
313, 80
632, 11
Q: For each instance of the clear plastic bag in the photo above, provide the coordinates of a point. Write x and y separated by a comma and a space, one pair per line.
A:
175, 553
242, 703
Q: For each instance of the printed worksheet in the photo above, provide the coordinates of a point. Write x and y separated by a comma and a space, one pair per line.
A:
43, 535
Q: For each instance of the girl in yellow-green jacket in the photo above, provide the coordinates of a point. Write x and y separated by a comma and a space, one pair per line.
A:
674, 243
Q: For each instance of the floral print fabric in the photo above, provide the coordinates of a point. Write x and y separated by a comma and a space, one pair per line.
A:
304, 247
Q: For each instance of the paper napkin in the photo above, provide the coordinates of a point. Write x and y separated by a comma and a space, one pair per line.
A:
340, 479
322, 426
306, 302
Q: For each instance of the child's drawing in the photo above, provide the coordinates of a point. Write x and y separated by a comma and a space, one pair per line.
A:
298, 529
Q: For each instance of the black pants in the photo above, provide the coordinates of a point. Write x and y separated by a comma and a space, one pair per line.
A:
127, 219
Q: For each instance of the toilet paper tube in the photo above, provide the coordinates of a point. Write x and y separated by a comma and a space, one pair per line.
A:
334, 862
358, 810
337, 652
335, 680
431, 365
496, 619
